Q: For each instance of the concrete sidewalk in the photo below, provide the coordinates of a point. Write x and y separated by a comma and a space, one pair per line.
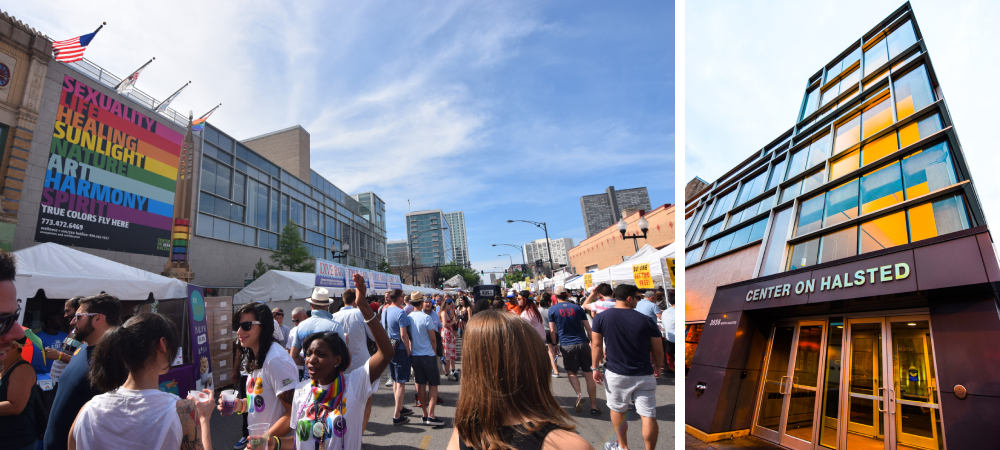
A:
740, 443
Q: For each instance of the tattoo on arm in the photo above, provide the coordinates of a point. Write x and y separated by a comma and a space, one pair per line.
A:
286, 397
191, 439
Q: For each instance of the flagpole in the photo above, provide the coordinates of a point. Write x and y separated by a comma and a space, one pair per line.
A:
133, 73
171, 97
99, 28
210, 111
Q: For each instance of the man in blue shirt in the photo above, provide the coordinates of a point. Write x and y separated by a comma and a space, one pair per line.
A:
395, 321
52, 338
569, 327
424, 359
320, 321
97, 314
648, 306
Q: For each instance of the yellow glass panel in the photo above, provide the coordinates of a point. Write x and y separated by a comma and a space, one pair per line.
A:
878, 148
918, 189
884, 232
845, 165
876, 118
909, 134
922, 224
877, 78
848, 134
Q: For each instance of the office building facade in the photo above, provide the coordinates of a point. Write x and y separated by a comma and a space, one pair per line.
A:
536, 250
603, 210
459, 238
398, 252
841, 282
429, 236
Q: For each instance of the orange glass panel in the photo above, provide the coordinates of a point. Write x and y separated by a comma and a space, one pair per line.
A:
848, 134
878, 148
884, 232
876, 118
922, 224
845, 165
909, 134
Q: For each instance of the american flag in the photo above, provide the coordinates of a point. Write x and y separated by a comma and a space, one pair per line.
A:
71, 50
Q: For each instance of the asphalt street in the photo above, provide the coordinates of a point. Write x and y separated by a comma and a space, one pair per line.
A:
382, 435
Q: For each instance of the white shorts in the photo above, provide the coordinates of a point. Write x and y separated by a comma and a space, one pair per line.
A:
619, 388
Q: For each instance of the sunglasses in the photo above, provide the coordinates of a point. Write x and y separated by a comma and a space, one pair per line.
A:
78, 315
7, 322
245, 325
295, 321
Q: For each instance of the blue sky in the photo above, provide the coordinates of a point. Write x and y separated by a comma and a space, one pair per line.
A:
504, 110
747, 64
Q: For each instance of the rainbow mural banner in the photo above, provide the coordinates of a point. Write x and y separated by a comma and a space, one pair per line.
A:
111, 176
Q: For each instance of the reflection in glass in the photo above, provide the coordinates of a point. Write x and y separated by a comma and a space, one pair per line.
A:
791, 192
865, 378
775, 379
845, 165
870, 83
812, 102
802, 405
831, 390
810, 215
928, 170
813, 181
804, 254
819, 151
913, 92
879, 148
938, 218
776, 242
876, 118
881, 188
841, 203
917, 415
848, 134
900, 39
776, 174
884, 232
919, 130
839, 244
797, 163
875, 56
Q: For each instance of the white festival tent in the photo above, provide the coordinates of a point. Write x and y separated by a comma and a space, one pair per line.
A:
62, 272
622, 272
290, 289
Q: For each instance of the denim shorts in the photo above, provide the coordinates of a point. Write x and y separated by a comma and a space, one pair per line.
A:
399, 368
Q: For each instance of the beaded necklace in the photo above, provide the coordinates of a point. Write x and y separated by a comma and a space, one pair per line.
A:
317, 421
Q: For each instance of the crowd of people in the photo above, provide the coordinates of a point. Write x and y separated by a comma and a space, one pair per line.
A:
310, 385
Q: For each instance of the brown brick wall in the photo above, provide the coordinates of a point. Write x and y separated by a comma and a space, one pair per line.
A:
700, 281
607, 247
289, 149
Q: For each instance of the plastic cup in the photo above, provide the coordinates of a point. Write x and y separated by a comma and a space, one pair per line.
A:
258, 436
228, 402
199, 396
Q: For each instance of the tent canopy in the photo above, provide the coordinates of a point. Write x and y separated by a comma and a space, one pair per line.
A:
62, 272
281, 285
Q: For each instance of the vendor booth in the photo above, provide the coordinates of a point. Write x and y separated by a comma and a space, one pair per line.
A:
49, 274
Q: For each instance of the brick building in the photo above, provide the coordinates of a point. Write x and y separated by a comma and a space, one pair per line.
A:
606, 247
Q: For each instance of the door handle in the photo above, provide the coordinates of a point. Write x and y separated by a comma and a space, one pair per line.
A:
881, 399
781, 385
892, 401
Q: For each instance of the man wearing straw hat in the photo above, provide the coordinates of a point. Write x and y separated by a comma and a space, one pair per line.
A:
320, 321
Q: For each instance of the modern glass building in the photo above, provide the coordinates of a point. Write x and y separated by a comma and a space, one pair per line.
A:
430, 238
459, 238
841, 282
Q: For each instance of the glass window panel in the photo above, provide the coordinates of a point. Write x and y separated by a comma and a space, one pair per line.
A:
838, 245
875, 57
765, 204
776, 172
249, 236
242, 166
850, 81
741, 236
812, 102
813, 181
297, 212
206, 203
845, 165
913, 92
832, 72
881, 188
810, 215
225, 143
830, 94
221, 230
775, 250
900, 39
239, 183
236, 232
723, 204
211, 135
791, 192
224, 157
692, 256
884, 232
819, 151
874, 81
236, 212
222, 176
879, 148
205, 225
210, 151
711, 230
758, 230
221, 207
919, 130
876, 118
797, 163
938, 218
902, 63
848, 134
854, 93
854, 57
725, 243
208, 175
841, 203
928, 170
804, 254
312, 219
831, 392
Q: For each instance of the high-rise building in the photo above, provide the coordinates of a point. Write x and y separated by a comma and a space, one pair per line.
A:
399, 252
841, 280
603, 210
536, 250
430, 238
459, 240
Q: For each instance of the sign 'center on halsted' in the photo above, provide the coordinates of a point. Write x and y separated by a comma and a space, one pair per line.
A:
881, 274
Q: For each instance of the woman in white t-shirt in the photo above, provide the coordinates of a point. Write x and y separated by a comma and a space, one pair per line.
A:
133, 413
327, 411
272, 372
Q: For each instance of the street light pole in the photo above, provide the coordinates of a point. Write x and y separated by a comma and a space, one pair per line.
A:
519, 248
548, 245
643, 225
511, 258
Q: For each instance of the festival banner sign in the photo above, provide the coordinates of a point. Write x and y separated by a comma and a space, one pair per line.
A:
395, 282
588, 281
110, 176
380, 280
671, 270
350, 276
330, 274
643, 279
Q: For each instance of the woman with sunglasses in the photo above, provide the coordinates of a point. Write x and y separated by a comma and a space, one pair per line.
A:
271, 371
132, 412
328, 410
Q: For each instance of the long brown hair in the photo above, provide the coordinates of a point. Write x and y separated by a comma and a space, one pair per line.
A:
506, 374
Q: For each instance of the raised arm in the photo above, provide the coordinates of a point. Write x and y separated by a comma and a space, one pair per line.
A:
380, 360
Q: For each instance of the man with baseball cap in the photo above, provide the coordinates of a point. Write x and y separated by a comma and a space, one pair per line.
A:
279, 316
320, 321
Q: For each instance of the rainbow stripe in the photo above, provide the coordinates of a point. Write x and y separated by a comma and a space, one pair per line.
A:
330, 398
199, 124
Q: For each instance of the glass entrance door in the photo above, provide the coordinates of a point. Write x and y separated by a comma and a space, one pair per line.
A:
787, 408
913, 399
